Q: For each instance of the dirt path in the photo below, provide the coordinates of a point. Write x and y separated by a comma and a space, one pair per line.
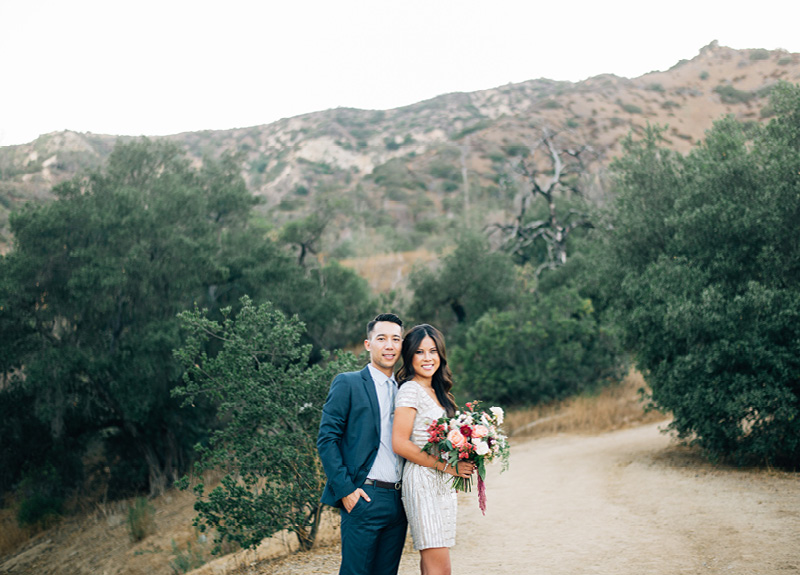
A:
622, 503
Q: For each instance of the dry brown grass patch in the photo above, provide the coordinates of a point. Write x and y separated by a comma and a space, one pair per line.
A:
12, 536
613, 407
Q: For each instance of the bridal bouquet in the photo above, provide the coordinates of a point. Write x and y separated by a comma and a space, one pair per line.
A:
472, 435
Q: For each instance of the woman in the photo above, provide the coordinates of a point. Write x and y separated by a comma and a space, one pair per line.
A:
428, 496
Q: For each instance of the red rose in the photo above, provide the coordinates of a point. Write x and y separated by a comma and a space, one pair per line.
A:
466, 431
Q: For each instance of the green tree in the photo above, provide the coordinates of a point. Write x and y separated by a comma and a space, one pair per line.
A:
470, 281
95, 280
88, 302
708, 256
304, 234
270, 404
549, 347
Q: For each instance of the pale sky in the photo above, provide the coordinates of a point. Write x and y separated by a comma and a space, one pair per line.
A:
157, 67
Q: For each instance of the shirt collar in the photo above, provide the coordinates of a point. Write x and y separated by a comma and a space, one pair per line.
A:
378, 376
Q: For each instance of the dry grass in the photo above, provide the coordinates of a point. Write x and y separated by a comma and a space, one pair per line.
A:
387, 272
12, 536
613, 407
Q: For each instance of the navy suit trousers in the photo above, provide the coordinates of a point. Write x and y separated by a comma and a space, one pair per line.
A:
373, 534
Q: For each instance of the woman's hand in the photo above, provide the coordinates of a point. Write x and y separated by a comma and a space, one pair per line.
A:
462, 469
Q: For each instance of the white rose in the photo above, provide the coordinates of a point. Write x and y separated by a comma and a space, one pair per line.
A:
481, 447
498, 414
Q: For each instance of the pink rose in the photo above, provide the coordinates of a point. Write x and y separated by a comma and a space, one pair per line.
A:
480, 431
456, 438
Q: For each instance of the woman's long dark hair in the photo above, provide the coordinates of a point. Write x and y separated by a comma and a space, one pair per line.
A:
442, 380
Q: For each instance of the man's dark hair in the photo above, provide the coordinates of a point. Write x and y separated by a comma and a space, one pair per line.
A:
383, 317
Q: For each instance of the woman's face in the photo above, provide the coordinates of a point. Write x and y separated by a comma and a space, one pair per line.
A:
426, 360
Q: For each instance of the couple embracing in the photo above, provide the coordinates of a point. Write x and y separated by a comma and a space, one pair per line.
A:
373, 427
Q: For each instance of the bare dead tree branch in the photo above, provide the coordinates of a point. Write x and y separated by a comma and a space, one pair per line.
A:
548, 172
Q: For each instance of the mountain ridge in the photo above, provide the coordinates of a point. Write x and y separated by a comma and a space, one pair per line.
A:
431, 151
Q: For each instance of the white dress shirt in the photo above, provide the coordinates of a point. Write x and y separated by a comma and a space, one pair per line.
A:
387, 465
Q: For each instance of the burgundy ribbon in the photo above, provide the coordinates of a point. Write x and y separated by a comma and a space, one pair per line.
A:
481, 494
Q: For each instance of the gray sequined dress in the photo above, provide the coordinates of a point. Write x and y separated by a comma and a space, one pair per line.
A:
428, 496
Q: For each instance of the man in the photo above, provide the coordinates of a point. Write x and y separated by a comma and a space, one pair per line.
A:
355, 446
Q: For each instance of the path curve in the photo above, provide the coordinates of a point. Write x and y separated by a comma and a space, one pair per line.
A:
621, 503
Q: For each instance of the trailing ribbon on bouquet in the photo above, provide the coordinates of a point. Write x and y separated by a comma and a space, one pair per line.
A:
481, 495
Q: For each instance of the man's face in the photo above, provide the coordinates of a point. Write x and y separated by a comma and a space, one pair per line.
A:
384, 345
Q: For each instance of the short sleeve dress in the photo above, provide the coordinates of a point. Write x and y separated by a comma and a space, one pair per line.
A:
428, 495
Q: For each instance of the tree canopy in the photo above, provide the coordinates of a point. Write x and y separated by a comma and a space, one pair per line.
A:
708, 255
89, 297
271, 402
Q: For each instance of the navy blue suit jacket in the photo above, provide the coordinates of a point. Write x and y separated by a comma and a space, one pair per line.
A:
349, 434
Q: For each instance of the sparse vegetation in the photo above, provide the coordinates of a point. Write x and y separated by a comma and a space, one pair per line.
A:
517, 150
630, 108
759, 54
476, 127
551, 105
141, 519
12, 536
186, 560
730, 95
391, 143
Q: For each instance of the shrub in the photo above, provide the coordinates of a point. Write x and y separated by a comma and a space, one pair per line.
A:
630, 108
444, 170
704, 75
185, 561
730, 95
39, 508
395, 174
259, 166
549, 348
517, 150
476, 127
41, 495
270, 403
759, 54
450, 186
141, 519
551, 105
496, 156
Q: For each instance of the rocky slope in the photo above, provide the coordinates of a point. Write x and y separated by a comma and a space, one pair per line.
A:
413, 166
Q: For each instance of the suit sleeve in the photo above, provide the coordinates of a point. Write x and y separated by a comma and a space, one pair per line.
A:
329, 442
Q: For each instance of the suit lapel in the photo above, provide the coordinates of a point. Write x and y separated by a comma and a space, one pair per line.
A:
369, 388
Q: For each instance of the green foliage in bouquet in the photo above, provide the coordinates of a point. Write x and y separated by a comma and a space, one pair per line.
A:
269, 404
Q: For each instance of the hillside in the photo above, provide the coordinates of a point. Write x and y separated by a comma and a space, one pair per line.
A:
397, 175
